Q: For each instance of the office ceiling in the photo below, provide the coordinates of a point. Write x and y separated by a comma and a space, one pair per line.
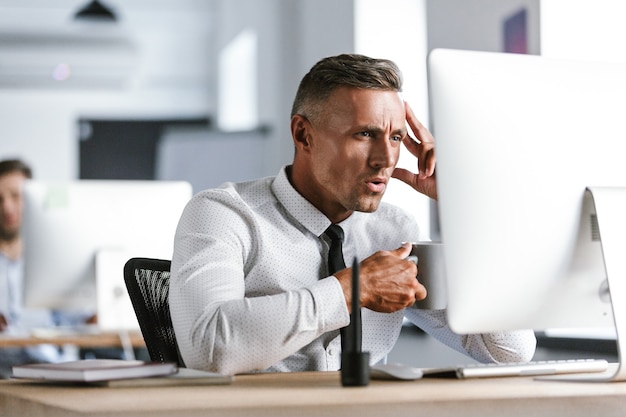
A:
42, 15
165, 43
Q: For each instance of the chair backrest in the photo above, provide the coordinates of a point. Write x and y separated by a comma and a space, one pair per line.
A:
148, 283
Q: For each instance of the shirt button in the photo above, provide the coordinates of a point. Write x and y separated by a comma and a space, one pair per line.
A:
332, 351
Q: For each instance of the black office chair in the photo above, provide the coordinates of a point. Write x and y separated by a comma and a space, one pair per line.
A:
148, 283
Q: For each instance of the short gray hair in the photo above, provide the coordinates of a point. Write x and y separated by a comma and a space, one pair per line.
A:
346, 70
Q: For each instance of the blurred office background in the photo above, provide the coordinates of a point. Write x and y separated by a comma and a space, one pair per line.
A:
201, 90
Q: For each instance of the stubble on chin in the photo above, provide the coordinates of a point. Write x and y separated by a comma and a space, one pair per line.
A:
366, 203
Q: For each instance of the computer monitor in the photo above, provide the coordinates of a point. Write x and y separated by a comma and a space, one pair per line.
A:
78, 234
519, 140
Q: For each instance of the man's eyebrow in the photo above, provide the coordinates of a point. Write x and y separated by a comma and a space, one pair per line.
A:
370, 128
400, 131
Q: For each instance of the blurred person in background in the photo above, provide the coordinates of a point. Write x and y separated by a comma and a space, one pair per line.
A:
15, 319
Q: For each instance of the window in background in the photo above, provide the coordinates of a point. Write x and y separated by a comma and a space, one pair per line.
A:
237, 86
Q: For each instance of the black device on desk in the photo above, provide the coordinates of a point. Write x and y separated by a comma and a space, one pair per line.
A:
355, 370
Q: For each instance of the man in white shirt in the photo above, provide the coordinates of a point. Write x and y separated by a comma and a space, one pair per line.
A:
250, 287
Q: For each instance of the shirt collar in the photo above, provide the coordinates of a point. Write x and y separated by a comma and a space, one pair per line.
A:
297, 206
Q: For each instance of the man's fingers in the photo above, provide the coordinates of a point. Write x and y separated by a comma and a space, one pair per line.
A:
427, 168
422, 134
403, 251
404, 175
421, 292
423, 146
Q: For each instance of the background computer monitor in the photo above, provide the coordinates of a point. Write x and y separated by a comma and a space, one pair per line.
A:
518, 140
78, 235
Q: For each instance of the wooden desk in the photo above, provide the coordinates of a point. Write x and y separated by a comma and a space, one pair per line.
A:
321, 394
83, 340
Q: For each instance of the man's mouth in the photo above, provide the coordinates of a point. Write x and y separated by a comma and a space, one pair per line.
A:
377, 185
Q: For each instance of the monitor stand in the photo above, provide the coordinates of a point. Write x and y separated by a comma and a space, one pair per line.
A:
610, 208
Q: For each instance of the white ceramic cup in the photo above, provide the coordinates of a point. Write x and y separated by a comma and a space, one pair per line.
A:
431, 274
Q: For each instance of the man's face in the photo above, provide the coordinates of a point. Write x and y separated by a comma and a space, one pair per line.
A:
11, 204
355, 145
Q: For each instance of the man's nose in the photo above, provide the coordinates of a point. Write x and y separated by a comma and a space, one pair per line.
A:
384, 154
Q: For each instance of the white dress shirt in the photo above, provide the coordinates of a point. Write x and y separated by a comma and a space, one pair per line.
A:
250, 290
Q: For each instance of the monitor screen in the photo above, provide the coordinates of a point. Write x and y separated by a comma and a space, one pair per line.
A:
519, 139
78, 235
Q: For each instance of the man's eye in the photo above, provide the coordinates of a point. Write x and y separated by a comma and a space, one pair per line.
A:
366, 134
396, 138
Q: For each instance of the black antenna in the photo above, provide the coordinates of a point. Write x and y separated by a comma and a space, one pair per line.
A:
355, 368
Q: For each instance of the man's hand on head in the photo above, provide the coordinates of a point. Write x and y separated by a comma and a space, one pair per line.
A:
423, 148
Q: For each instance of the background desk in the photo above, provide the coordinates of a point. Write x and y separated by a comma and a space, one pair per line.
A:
321, 394
83, 340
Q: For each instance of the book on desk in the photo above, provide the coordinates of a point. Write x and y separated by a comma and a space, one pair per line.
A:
183, 377
118, 373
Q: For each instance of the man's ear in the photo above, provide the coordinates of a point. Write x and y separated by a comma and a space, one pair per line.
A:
301, 132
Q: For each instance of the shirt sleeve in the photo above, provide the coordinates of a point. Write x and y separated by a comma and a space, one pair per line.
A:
218, 327
495, 347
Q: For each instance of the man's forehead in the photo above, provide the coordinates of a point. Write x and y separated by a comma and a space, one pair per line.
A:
363, 101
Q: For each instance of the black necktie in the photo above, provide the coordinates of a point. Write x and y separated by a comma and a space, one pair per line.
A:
336, 263
335, 254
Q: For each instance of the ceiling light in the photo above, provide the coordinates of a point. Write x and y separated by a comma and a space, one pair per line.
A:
95, 10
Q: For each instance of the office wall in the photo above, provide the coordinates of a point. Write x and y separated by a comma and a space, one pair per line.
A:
574, 29
168, 75
477, 24
584, 29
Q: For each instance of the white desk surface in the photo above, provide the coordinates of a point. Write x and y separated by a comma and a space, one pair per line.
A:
321, 394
